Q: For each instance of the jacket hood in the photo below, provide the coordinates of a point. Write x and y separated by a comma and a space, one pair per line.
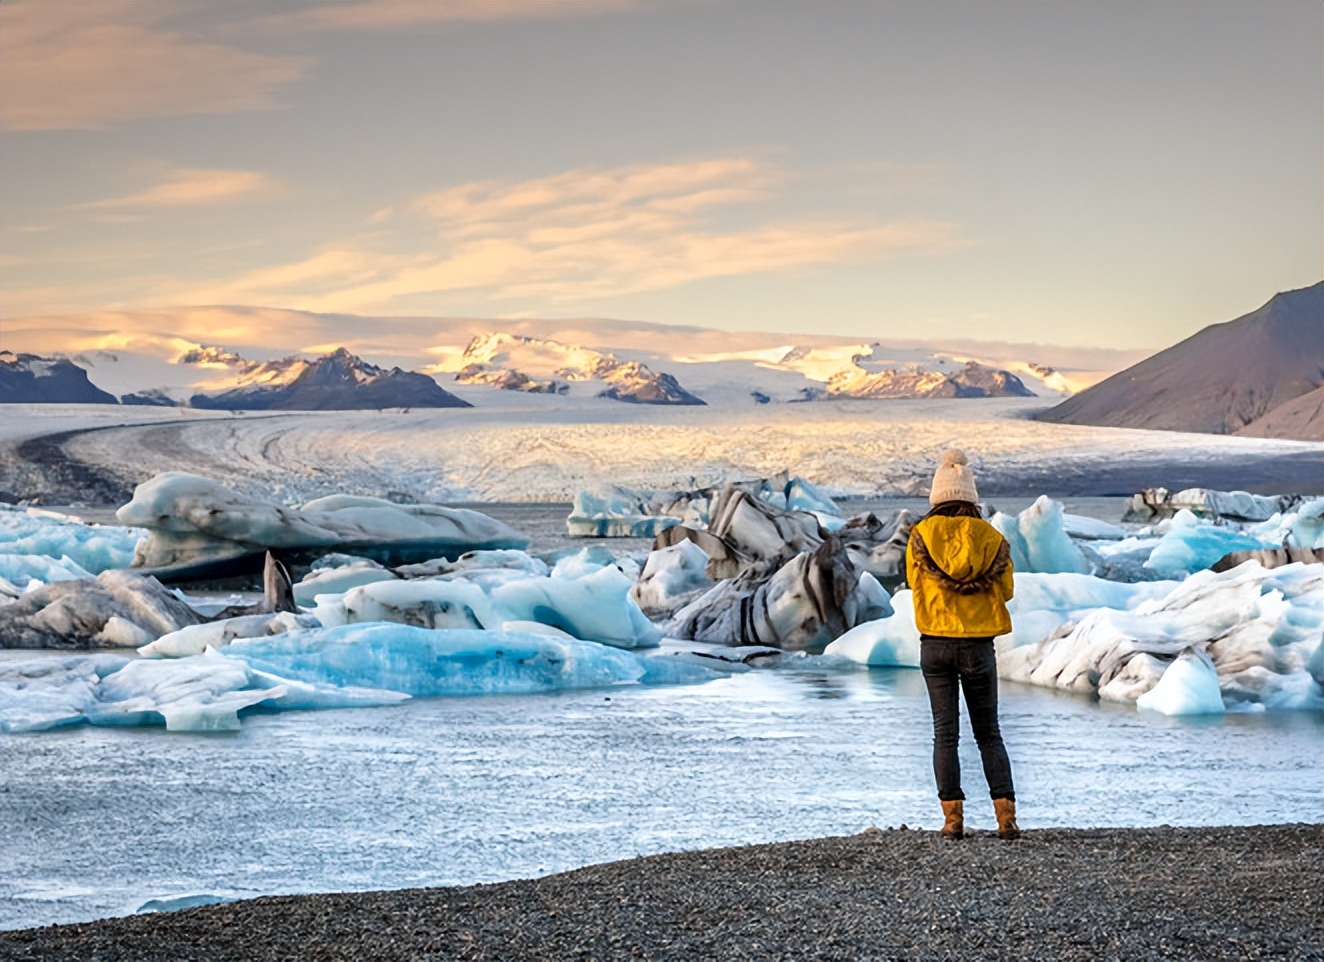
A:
967, 552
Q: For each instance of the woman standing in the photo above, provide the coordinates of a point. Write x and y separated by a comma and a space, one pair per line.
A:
958, 567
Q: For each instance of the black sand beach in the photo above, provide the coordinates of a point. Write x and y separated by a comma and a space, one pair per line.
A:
1133, 894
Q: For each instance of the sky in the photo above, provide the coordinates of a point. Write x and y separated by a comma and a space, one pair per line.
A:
1096, 174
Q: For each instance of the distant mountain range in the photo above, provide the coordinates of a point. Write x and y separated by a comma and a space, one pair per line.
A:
656, 365
1258, 375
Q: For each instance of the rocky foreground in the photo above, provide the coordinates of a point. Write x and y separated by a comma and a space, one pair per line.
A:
1143, 894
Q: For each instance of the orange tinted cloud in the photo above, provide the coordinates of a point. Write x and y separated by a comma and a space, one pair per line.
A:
186, 187
577, 237
88, 66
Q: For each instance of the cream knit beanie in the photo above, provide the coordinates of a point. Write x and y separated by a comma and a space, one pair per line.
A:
953, 481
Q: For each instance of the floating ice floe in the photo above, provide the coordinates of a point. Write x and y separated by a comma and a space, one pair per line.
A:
1188, 686
613, 510
29, 534
1189, 544
586, 600
1152, 504
1260, 628
1039, 540
196, 526
337, 573
801, 605
349, 666
195, 639
117, 609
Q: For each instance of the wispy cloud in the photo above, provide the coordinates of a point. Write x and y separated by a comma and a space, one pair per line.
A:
89, 66
395, 14
187, 187
578, 237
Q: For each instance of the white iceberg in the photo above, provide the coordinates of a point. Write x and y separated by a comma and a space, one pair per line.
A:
1039, 540
886, 642
1189, 686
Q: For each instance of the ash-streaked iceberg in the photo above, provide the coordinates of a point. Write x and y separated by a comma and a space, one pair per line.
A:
117, 609
1260, 628
197, 525
613, 510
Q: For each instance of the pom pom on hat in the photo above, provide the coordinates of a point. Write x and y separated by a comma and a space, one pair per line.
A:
953, 481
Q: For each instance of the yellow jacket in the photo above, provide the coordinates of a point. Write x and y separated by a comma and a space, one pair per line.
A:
959, 570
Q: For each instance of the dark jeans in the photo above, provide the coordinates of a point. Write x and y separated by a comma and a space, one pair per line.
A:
970, 665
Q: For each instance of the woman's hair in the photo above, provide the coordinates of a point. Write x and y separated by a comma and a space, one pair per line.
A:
955, 509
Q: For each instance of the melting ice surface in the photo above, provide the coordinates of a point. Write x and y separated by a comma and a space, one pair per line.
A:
345, 667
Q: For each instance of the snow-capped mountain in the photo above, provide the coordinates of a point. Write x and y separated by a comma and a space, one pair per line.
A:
334, 382
30, 378
517, 363
1222, 379
971, 380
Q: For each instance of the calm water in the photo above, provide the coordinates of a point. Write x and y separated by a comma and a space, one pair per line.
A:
453, 791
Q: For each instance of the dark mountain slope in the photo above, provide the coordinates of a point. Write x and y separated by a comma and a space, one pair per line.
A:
32, 379
1218, 380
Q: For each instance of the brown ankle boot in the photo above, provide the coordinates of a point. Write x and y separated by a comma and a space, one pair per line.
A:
954, 826
1005, 810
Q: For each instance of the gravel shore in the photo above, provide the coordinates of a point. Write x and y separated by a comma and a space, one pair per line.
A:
1142, 894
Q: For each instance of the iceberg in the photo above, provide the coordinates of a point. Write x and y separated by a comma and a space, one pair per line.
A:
196, 639
1154, 503
24, 571
672, 577
118, 609
891, 642
322, 668
1190, 544
1247, 621
197, 526
424, 662
1189, 686
87, 548
585, 599
335, 574
801, 605
426, 604
1039, 540
596, 607
613, 510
